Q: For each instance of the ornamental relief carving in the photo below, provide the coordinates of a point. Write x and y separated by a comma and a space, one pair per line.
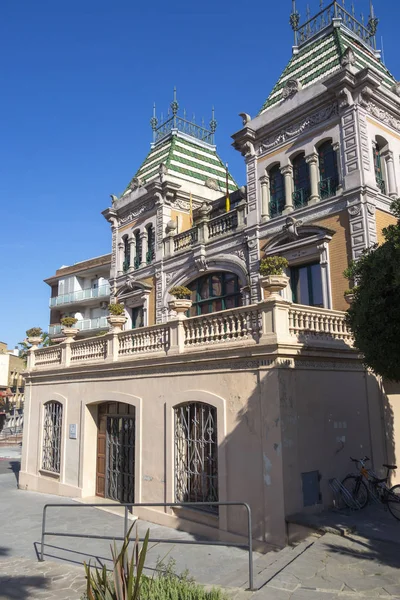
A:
136, 212
354, 211
382, 115
307, 123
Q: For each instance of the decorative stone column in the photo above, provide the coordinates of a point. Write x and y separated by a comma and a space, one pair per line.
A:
336, 149
312, 161
132, 252
204, 217
143, 237
391, 178
120, 261
265, 198
287, 172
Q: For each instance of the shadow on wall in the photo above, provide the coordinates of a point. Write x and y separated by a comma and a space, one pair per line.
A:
391, 389
295, 423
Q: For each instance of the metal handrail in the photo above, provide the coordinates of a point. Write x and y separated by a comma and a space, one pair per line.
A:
248, 546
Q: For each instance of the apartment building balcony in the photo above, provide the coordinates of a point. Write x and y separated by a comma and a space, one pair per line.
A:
85, 295
254, 328
84, 325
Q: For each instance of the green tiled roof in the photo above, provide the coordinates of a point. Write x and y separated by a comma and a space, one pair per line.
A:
320, 58
186, 160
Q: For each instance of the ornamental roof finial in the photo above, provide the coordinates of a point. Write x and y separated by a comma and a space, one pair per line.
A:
174, 107
294, 20
154, 122
372, 23
213, 123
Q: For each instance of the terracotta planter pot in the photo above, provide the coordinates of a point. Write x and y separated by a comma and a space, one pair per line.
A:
116, 322
274, 284
180, 306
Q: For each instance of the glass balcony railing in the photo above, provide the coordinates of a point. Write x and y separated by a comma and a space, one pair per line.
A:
82, 325
86, 294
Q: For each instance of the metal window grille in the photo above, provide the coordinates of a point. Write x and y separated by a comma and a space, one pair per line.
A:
196, 454
52, 436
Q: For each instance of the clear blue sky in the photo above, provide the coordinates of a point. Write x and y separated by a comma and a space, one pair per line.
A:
79, 78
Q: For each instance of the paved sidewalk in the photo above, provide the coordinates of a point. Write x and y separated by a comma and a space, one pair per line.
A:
320, 568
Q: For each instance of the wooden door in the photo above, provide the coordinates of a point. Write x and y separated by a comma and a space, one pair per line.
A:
101, 451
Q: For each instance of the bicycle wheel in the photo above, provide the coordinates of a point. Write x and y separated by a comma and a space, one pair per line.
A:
393, 501
355, 495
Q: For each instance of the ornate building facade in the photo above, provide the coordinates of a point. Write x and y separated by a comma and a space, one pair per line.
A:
246, 397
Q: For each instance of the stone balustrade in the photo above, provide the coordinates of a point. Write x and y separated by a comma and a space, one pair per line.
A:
222, 224
318, 322
268, 322
185, 240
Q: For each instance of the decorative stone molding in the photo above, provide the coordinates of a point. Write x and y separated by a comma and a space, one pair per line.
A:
348, 58
136, 212
382, 115
396, 88
201, 264
291, 88
245, 118
300, 127
291, 227
211, 183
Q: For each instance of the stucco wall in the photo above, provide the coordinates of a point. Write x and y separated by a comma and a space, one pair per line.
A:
273, 424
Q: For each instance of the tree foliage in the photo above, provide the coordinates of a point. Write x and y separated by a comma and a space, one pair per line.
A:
374, 316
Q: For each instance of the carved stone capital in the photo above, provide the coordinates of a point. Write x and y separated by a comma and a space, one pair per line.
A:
287, 170
312, 158
264, 180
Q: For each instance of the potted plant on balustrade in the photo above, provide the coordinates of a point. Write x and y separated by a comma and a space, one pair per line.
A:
349, 275
181, 302
68, 327
34, 336
116, 319
272, 276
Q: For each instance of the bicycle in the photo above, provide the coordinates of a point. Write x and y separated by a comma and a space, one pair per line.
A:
356, 493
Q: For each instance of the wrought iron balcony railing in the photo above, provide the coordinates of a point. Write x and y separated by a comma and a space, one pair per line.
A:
301, 197
276, 206
381, 184
328, 187
80, 295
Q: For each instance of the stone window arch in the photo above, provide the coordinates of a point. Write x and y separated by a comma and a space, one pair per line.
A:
52, 436
380, 147
196, 454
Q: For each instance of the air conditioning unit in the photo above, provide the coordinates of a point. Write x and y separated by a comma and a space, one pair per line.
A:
103, 304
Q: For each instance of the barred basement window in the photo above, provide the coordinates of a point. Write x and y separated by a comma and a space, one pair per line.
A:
52, 436
196, 454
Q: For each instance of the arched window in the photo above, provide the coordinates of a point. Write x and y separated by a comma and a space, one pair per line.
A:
150, 244
127, 254
196, 454
215, 292
301, 181
276, 191
328, 170
52, 429
138, 249
378, 147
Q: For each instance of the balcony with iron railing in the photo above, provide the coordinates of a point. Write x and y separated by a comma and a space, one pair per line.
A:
268, 322
301, 197
328, 188
206, 231
103, 291
82, 325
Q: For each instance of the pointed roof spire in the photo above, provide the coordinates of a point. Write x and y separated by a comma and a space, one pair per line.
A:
294, 20
154, 122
